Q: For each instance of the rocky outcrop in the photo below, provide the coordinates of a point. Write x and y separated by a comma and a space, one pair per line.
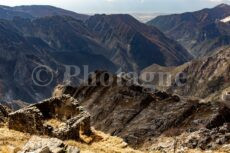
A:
128, 111
212, 140
4, 112
209, 138
47, 145
60, 117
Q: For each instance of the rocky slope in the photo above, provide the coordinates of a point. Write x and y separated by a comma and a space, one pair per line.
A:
150, 122
139, 117
200, 32
146, 121
205, 78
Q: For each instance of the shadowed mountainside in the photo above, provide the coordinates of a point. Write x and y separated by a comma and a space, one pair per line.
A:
135, 45
20, 54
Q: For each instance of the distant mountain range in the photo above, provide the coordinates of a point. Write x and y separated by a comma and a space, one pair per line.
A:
35, 11
44, 35
200, 32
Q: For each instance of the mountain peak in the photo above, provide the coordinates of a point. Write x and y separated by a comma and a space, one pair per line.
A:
222, 5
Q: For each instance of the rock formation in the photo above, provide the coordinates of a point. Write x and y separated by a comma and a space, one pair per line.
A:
69, 119
4, 112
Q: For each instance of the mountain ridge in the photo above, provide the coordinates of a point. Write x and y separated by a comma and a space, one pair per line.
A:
189, 29
35, 11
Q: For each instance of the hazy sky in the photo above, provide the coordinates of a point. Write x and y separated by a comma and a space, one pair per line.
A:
122, 6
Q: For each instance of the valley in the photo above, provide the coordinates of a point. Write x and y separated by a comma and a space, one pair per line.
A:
109, 83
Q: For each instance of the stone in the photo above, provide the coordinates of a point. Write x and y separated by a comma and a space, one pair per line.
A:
47, 145
45, 150
221, 141
71, 149
43, 145
192, 143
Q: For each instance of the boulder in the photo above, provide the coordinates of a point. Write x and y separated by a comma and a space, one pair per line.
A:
47, 145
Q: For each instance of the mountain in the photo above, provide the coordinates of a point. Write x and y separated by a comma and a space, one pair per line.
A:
7, 13
206, 78
134, 45
104, 42
20, 54
46, 10
18, 59
200, 32
128, 39
76, 38
35, 11
135, 121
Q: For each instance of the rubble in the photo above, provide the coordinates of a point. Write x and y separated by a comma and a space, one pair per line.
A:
210, 138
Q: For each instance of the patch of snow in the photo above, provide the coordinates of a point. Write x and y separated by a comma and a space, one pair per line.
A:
225, 20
